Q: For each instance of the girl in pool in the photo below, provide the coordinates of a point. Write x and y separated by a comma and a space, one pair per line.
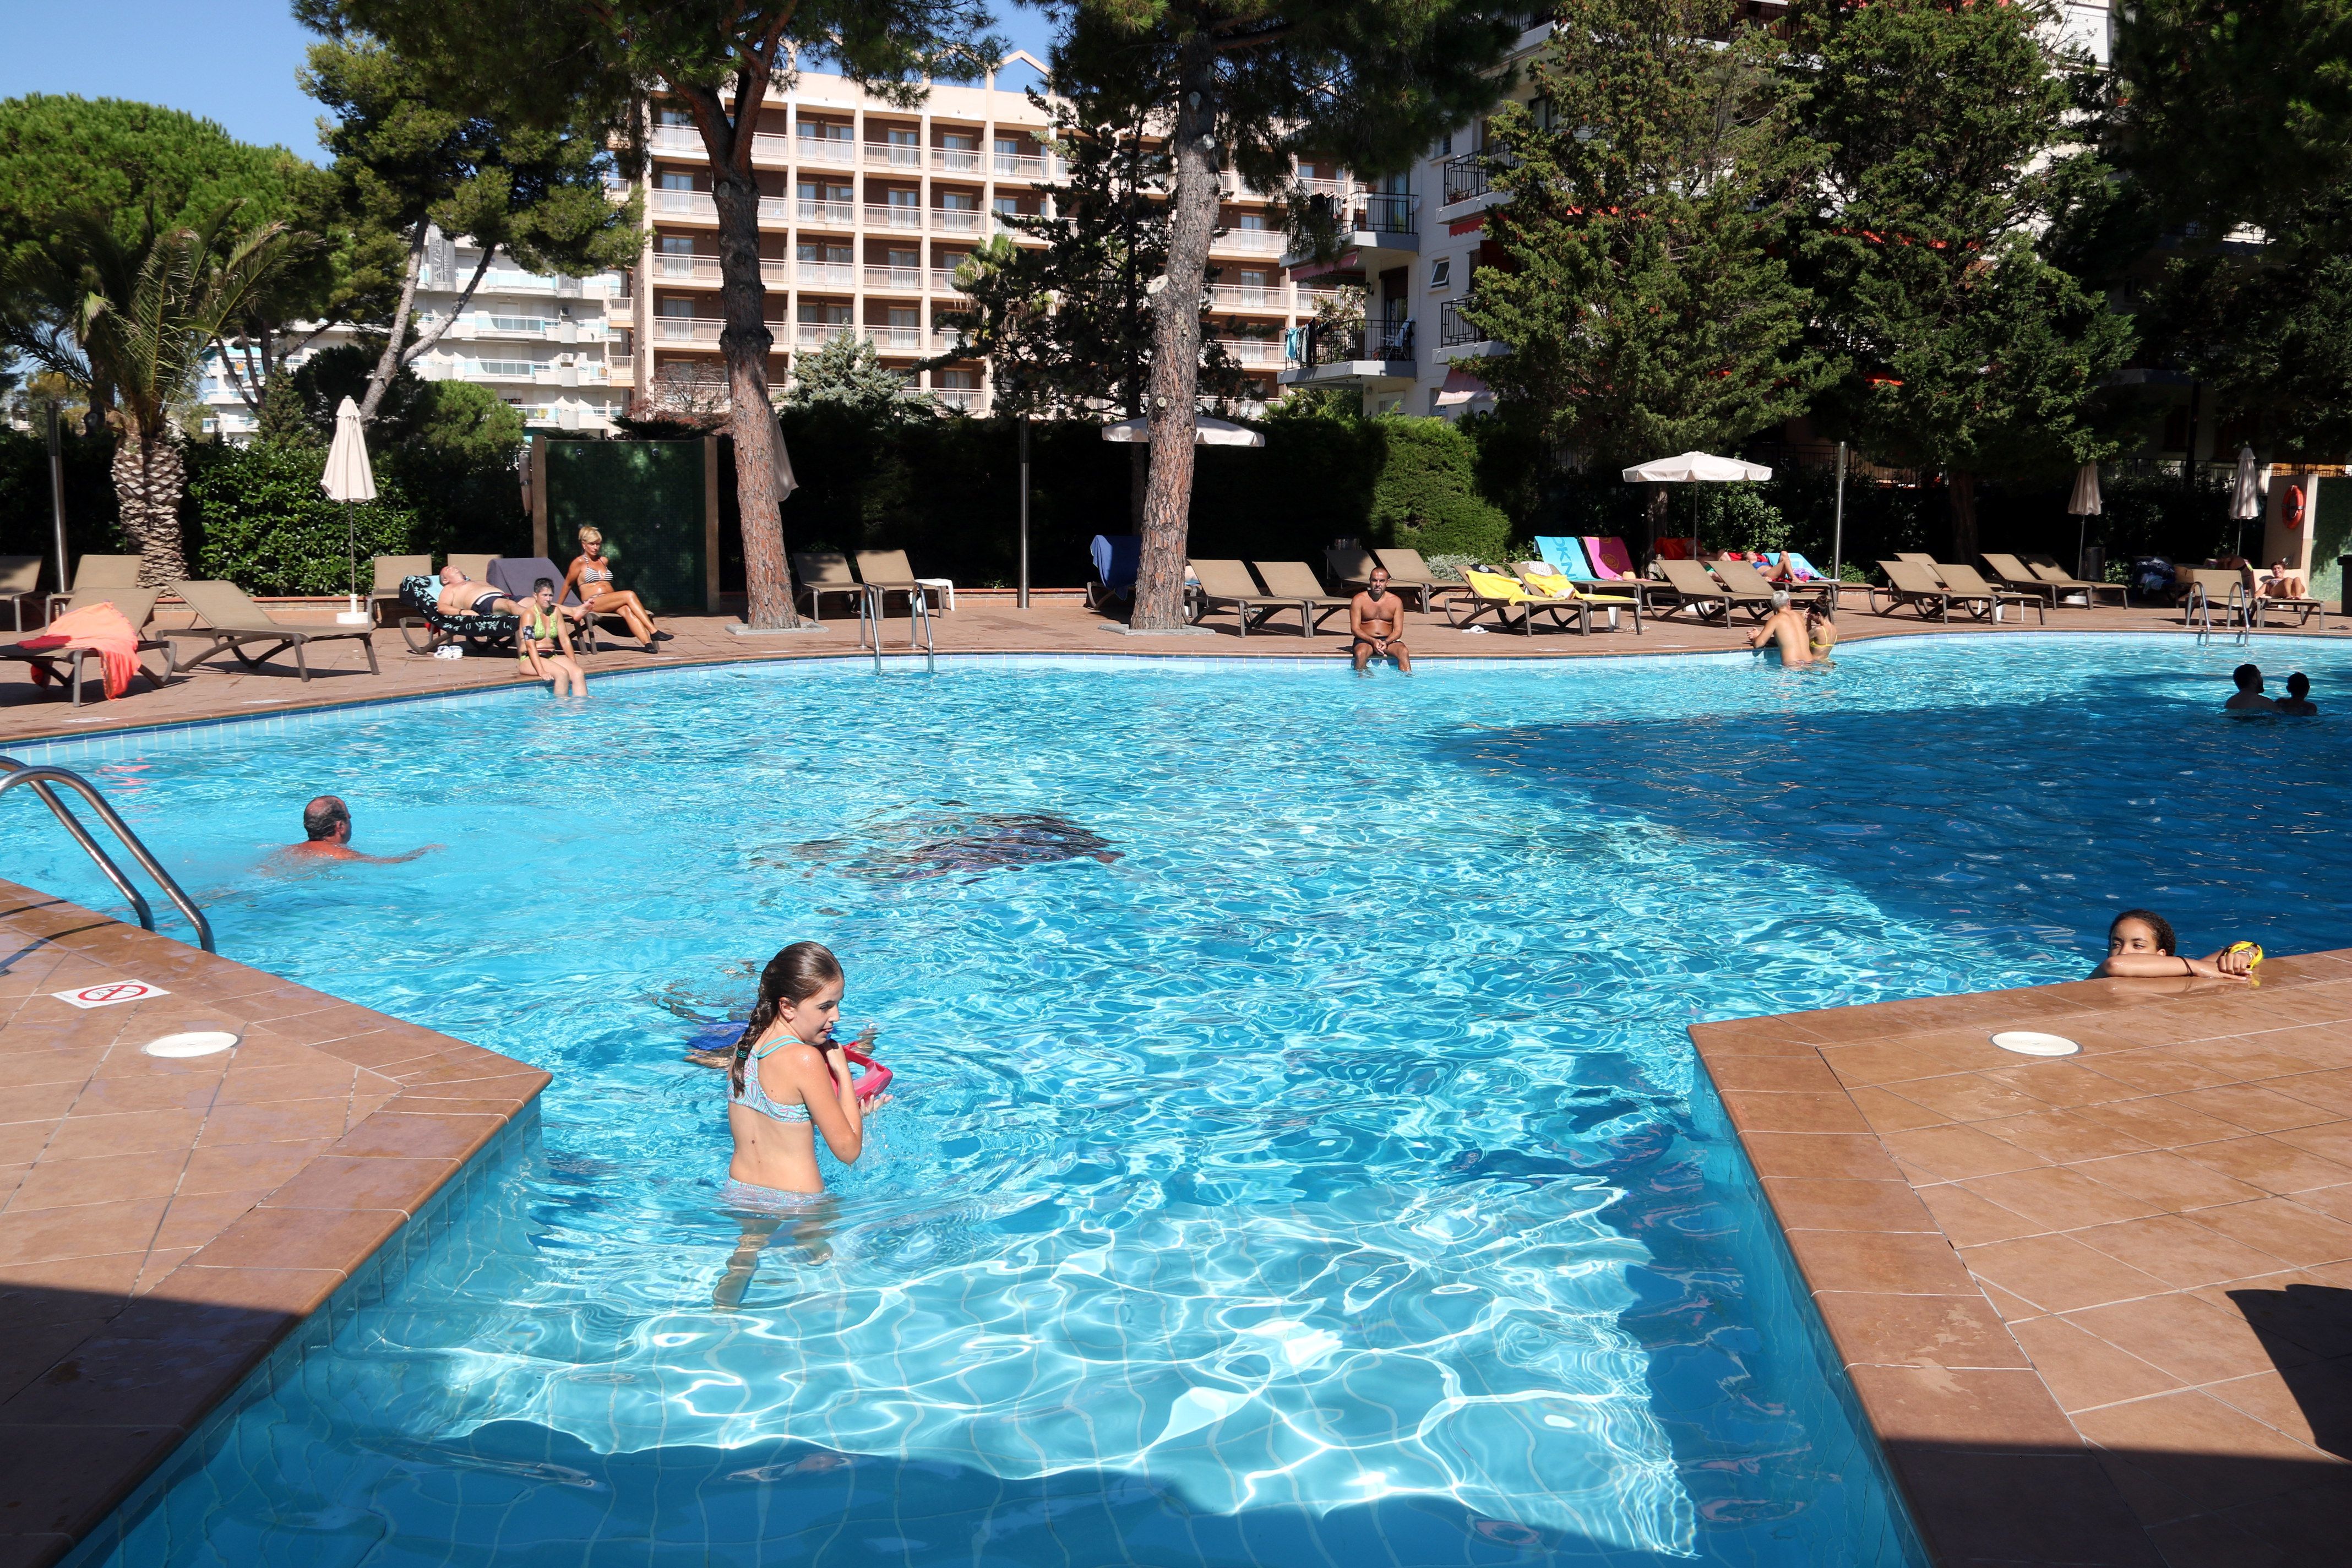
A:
2140, 946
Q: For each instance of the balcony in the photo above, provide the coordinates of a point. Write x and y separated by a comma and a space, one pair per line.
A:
962, 399
943, 281
836, 151
1376, 230
677, 138
620, 305
1466, 177
905, 218
1253, 350
838, 214
1457, 338
957, 220
827, 274
688, 329
1018, 165
1383, 213
677, 269
894, 155
898, 340
685, 203
1377, 354
1249, 297
816, 334
956, 160
621, 368
895, 279
1251, 242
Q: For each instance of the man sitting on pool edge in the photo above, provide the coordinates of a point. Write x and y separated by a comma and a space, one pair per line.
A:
326, 836
1375, 619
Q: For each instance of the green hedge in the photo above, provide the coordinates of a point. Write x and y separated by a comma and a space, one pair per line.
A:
26, 519
262, 522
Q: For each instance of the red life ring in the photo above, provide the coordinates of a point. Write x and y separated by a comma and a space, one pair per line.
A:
2292, 516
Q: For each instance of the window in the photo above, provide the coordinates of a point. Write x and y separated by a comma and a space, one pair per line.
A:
519, 323
676, 180
820, 250
673, 307
823, 311
1441, 271
672, 117
678, 244
902, 138
959, 141
959, 200
818, 130
958, 379
516, 369
1010, 207
1250, 221
903, 258
906, 316
905, 198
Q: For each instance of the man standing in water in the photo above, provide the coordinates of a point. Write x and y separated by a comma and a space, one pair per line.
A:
326, 836
1375, 618
1787, 627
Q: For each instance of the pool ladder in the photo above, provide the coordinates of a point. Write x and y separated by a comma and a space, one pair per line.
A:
918, 628
40, 780
2237, 610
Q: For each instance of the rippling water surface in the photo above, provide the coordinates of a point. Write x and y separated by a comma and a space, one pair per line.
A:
1298, 1157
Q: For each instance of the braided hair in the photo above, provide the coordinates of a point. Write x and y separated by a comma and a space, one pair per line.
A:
793, 976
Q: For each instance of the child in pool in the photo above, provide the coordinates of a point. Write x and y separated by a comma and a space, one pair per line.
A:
2297, 699
2141, 946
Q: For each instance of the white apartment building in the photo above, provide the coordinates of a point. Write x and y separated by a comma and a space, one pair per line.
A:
865, 209
545, 344
1412, 244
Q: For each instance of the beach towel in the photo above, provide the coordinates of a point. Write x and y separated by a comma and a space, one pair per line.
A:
1608, 557
1563, 555
99, 627
1677, 549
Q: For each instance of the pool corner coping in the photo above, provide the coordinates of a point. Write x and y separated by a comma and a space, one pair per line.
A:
118, 1375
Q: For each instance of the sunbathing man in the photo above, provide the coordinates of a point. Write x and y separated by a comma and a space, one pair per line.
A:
1375, 619
2297, 699
1786, 626
2248, 697
326, 836
459, 597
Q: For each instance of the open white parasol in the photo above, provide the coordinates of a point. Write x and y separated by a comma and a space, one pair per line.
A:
1206, 432
348, 478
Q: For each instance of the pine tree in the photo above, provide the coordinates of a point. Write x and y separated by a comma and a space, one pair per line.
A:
847, 373
1647, 304
1966, 350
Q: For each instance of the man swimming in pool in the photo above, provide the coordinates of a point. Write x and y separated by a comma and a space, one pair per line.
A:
1376, 620
2248, 697
2297, 699
326, 836
1786, 626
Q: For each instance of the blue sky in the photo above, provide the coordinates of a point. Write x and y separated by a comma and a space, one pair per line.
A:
228, 60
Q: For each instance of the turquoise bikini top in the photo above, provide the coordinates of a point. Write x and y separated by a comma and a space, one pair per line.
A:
754, 1096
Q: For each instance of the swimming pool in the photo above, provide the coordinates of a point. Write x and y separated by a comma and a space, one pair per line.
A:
1299, 1153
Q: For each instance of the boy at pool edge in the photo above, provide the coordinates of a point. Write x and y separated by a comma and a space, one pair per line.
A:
2141, 946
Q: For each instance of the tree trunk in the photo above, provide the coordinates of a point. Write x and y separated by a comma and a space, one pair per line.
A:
1960, 499
745, 341
1176, 348
1138, 485
148, 479
388, 362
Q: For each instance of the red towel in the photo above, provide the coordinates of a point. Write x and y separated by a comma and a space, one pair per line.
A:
99, 627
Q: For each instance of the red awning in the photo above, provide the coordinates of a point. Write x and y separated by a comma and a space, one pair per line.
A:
1467, 224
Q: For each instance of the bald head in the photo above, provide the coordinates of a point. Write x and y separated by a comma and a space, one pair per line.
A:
327, 820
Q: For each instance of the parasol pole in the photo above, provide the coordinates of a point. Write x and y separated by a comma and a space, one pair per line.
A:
1837, 535
1024, 508
58, 496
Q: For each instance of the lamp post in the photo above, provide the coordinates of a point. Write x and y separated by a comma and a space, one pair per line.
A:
1837, 538
1025, 507
58, 495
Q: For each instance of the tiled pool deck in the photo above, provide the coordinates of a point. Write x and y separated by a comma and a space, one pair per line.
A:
2095, 1308
164, 1223
2098, 1308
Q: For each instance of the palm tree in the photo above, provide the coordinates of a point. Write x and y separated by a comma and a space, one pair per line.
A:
129, 321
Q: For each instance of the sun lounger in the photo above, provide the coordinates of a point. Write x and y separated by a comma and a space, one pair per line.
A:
71, 665
473, 568
20, 579
1486, 592
1742, 578
1349, 567
422, 596
234, 623
391, 572
2304, 607
2014, 574
2046, 567
1539, 578
1913, 587
889, 572
1228, 585
1296, 580
821, 572
1115, 558
1674, 548
1969, 587
1608, 556
2223, 586
100, 571
1696, 591
1565, 554
1409, 574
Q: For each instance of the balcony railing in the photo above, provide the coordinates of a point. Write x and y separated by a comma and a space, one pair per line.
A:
966, 399
898, 340
1249, 297
1019, 165
1385, 340
957, 220
1331, 189
838, 151
677, 138
905, 218
816, 334
956, 160
825, 274
897, 279
1253, 350
1251, 241
688, 329
686, 203
1466, 177
671, 268
810, 210
943, 281
1453, 329
894, 155
1384, 214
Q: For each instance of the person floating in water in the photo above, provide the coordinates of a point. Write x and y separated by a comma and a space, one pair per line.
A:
1789, 629
2141, 946
1375, 619
788, 1082
2248, 697
326, 836
2297, 699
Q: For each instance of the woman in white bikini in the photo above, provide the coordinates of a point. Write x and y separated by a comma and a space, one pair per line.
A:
591, 576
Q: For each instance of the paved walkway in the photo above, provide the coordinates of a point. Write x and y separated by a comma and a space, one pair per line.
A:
2098, 1307
982, 622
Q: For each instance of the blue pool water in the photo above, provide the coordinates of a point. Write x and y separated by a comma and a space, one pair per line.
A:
1299, 1156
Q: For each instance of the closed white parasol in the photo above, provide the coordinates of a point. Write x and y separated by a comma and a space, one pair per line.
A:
2085, 504
348, 478
1206, 432
2245, 494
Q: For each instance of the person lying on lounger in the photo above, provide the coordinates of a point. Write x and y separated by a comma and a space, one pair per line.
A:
459, 597
2282, 581
1375, 619
2140, 946
326, 836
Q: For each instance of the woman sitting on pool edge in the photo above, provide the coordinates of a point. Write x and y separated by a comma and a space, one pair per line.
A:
2141, 946
544, 644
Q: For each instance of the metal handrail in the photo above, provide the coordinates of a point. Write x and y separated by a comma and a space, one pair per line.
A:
918, 626
41, 778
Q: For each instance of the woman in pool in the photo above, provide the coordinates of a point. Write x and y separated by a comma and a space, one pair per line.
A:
544, 644
1820, 629
2140, 946
591, 576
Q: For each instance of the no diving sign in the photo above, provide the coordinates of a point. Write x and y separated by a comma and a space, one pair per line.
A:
109, 993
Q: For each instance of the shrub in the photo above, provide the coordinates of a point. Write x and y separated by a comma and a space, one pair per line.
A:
27, 520
261, 520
